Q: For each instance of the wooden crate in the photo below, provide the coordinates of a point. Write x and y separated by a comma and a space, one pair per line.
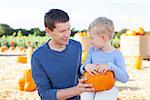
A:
135, 46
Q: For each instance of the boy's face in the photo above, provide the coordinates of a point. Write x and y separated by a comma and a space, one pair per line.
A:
61, 33
98, 40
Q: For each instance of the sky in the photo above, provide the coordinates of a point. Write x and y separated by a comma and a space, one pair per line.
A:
28, 14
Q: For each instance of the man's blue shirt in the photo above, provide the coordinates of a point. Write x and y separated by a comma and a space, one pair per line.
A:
53, 70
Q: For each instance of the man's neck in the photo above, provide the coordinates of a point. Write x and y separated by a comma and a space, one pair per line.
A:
56, 47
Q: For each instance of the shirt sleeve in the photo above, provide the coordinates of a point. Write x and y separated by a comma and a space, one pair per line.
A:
42, 81
119, 68
88, 60
80, 59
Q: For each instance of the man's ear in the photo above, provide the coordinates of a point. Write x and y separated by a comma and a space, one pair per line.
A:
49, 31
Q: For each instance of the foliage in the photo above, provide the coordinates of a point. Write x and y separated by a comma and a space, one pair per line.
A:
5, 30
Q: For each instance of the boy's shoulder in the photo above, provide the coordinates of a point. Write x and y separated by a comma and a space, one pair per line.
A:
118, 53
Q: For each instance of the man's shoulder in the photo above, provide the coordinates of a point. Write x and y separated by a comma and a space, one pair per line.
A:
40, 50
74, 43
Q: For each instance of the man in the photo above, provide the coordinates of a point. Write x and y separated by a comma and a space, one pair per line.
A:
55, 65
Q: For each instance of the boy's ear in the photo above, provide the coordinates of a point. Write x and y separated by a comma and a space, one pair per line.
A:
103, 37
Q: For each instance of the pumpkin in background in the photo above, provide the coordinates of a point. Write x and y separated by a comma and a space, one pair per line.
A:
29, 86
102, 81
138, 62
21, 83
21, 48
84, 54
3, 48
22, 59
140, 31
26, 82
27, 75
11, 48
131, 33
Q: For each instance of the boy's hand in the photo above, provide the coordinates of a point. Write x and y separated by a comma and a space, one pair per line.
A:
91, 69
103, 68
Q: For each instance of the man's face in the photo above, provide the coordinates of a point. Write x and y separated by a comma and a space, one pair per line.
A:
61, 33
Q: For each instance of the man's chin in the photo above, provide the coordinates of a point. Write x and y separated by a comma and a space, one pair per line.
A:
65, 43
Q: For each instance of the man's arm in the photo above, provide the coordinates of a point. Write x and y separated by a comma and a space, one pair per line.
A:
63, 94
41, 80
43, 84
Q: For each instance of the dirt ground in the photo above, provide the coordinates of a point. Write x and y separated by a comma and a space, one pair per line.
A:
138, 87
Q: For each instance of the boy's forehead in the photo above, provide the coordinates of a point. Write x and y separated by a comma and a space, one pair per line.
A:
94, 31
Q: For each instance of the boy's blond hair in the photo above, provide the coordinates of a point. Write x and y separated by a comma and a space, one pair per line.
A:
102, 25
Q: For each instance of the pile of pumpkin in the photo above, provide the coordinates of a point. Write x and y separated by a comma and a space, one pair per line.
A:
12, 47
139, 31
24, 59
26, 83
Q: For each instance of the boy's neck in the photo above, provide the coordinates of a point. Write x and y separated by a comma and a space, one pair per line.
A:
56, 47
107, 47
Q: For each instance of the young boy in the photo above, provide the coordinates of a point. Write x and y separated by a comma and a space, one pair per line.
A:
103, 57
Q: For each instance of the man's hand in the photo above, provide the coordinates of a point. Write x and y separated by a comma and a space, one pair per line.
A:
63, 94
82, 87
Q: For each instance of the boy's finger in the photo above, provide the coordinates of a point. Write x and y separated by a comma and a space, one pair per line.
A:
105, 70
91, 73
95, 72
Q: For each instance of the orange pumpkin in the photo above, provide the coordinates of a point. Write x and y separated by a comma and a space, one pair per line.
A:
3, 48
21, 83
21, 49
140, 31
27, 75
22, 59
12, 43
29, 86
101, 82
138, 62
11, 48
26, 82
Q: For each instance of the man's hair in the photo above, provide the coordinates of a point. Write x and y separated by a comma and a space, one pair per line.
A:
102, 25
54, 16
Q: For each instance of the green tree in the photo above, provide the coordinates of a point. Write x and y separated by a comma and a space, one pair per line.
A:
5, 30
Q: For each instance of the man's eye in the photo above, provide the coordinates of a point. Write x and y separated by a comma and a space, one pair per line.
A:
62, 31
